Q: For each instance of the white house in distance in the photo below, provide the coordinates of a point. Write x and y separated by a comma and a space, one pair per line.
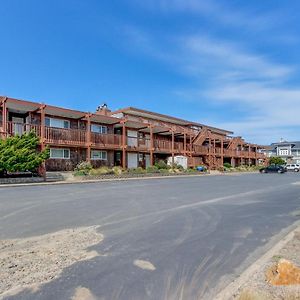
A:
289, 151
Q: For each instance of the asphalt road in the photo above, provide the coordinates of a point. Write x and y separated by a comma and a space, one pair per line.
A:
198, 232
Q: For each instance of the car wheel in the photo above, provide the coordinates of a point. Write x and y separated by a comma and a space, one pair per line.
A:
280, 172
296, 170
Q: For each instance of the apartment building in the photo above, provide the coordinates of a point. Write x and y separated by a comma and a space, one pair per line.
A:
129, 137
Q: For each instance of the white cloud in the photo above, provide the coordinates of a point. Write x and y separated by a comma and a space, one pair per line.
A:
230, 73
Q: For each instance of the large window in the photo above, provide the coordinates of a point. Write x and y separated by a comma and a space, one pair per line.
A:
98, 155
98, 128
283, 151
59, 123
59, 153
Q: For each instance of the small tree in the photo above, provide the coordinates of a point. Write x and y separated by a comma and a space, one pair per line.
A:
20, 153
276, 161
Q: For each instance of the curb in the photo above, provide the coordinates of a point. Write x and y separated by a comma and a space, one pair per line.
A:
232, 288
119, 179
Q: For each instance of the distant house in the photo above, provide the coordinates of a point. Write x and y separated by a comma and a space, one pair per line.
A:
289, 151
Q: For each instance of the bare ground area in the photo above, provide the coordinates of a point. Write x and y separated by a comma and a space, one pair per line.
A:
278, 278
27, 263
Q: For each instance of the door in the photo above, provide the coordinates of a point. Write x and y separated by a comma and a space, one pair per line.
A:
147, 159
18, 125
132, 160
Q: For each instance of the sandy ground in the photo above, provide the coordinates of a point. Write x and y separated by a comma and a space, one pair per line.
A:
257, 287
30, 262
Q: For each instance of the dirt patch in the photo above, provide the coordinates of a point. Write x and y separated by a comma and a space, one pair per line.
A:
30, 262
278, 278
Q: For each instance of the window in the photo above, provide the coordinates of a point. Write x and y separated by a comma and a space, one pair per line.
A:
283, 151
99, 128
60, 153
59, 123
98, 155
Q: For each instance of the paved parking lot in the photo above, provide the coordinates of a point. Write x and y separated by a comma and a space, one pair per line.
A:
163, 238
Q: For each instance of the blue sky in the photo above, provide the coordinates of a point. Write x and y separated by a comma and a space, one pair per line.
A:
231, 64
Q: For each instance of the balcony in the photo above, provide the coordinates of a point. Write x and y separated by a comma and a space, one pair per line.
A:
67, 137
76, 137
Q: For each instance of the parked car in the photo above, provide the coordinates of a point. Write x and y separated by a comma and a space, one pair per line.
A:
273, 169
293, 167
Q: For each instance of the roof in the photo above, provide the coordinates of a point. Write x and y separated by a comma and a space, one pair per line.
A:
161, 117
18, 105
294, 145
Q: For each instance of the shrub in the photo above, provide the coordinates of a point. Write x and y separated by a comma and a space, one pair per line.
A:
276, 161
80, 173
161, 164
152, 169
101, 171
21, 154
83, 168
138, 170
227, 165
117, 170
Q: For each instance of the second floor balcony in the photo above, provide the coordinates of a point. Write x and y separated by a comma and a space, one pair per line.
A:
82, 138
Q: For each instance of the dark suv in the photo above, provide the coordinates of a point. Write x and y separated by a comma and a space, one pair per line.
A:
273, 169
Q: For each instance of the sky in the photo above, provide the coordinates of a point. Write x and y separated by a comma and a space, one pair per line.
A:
232, 64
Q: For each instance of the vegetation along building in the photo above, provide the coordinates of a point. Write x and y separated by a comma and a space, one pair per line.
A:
129, 137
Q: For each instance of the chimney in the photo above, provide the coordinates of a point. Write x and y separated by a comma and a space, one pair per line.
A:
103, 110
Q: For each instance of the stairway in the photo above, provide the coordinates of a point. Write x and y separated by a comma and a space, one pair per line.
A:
54, 176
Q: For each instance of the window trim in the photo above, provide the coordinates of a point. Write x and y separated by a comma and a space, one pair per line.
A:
63, 149
101, 151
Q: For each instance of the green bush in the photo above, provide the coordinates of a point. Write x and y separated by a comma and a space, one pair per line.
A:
276, 161
80, 173
161, 164
21, 154
152, 169
83, 168
227, 165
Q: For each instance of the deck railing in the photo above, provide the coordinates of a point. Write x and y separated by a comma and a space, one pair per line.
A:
69, 136
65, 136
106, 140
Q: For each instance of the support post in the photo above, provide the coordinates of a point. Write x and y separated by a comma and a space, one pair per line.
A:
249, 155
43, 117
209, 152
4, 117
151, 145
43, 139
222, 152
123, 145
173, 148
88, 137
184, 144
256, 162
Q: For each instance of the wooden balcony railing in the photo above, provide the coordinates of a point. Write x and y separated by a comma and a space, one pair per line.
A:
162, 145
106, 140
63, 136
13, 128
